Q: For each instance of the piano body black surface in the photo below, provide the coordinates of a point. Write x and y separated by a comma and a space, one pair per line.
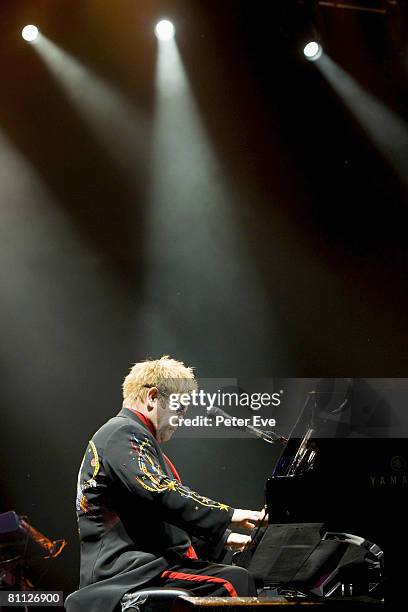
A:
356, 486
357, 480
353, 484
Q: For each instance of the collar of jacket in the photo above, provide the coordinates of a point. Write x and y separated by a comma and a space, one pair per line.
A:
138, 417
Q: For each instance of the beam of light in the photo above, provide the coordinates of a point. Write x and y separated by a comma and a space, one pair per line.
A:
30, 33
57, 309
198, 269
115, 123
46, 269
312, 50
31, 225
164, 30
387, 131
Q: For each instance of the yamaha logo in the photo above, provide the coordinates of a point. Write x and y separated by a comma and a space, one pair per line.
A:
398, 463
396, 476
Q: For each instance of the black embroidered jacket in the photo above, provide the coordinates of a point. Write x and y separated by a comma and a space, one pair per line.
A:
134, 516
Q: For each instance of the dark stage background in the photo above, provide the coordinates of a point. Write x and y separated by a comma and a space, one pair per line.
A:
247, 217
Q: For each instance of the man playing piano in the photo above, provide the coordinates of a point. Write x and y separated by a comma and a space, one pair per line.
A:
139, 525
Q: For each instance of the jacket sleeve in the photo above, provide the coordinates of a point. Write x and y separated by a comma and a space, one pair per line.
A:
207, 551
132, 460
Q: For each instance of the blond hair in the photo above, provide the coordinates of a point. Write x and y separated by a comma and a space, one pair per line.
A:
167, 374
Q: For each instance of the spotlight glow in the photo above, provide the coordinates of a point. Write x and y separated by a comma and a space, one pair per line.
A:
30, 33
312, 51
164, 30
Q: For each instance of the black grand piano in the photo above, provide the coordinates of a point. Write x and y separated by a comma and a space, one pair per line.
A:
333, 531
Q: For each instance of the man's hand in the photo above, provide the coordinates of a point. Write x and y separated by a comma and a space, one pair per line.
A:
247, 519
237, 541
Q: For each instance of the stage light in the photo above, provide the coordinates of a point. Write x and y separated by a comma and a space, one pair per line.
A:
30, 33
312, 51
164, 30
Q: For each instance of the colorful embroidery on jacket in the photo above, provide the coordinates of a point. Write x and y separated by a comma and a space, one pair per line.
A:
156, 481
91, 454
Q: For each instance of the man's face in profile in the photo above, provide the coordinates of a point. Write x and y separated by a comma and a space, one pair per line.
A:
168, 414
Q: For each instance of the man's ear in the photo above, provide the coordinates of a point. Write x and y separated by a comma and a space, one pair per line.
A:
152, 394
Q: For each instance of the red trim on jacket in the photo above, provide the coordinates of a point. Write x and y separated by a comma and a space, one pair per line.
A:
173, 469
146, 421
201, 578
